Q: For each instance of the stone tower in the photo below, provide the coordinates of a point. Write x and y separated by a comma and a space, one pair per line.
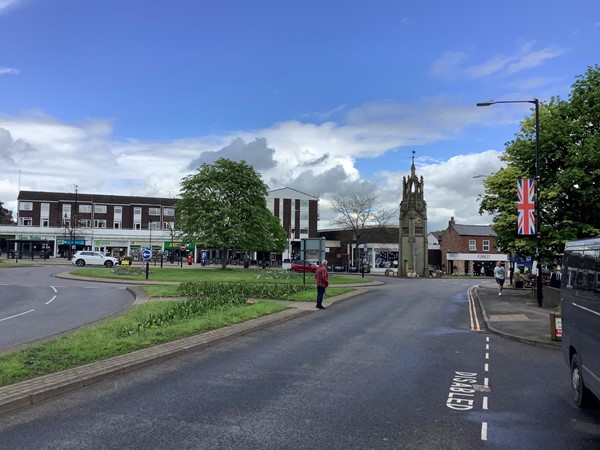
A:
412, 248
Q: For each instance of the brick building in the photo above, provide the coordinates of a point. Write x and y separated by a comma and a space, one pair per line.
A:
466, 249
298, 214
58, 223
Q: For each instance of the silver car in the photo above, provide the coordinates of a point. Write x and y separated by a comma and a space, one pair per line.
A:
84, 257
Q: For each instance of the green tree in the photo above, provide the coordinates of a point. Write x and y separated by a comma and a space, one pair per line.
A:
223, 205
5, 215
569, 171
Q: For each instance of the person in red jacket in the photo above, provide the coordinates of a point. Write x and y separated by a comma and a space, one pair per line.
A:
322, 281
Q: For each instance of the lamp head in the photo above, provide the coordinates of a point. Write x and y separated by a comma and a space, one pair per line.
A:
488, 103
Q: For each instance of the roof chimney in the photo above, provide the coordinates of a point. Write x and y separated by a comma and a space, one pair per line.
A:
452, 222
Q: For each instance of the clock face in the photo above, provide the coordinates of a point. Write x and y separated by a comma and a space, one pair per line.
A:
418, 220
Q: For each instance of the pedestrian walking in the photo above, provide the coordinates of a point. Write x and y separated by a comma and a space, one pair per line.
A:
555, 278
499, 274
322, 281
482, 271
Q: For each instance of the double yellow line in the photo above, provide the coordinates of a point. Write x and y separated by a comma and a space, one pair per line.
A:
471, 293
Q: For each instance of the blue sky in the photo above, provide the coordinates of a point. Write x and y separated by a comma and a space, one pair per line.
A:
128, 97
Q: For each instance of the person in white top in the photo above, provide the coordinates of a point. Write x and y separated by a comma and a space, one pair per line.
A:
499, 274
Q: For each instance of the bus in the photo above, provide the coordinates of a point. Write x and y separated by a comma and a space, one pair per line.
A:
580, 312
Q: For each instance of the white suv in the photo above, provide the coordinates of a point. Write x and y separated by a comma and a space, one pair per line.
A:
82, 258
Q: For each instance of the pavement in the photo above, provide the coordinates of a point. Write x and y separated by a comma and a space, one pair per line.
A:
514, 315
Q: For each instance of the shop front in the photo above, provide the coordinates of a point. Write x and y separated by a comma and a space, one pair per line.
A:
115, 248
472, 263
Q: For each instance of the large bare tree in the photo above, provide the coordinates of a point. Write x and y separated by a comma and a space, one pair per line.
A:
358, 211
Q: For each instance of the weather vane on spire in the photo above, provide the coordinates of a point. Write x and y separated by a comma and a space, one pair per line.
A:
413, 156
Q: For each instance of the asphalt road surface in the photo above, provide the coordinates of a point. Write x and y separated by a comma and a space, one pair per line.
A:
35, 305
396, 368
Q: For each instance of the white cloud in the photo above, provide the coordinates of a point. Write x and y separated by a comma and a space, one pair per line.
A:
8, 71
453, 65
318, 159
536, 58
450, 188
5, 4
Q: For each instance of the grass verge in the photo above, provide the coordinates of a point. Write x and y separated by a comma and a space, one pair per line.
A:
105, 340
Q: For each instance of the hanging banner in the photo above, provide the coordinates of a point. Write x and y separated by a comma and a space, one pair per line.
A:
526, 206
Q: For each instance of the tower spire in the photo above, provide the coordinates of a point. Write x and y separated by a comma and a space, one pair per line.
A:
412, 167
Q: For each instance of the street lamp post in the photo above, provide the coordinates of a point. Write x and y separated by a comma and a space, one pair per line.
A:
538, 216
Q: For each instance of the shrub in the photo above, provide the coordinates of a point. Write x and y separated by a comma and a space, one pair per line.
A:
256, 290
184, 310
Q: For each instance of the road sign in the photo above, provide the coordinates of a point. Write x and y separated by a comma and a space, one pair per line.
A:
146, 254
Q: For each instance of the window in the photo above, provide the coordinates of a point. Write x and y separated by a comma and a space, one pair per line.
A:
472, 245
26, 206
154, 226
118, 213
154, 211
85, 208
486, 246
25, 221
168, 211
137, 218
117, 225
44, 215
66, 212
99, 223
168, 225
85, 223
100, 209
303, 218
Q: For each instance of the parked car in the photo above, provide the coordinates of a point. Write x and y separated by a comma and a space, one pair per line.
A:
82, 258
300, 266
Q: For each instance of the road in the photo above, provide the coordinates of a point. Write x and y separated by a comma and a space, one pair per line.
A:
396, 368
34, 304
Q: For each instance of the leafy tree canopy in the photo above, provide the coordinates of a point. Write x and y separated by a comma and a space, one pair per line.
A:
5, 215
223, 205
569, 171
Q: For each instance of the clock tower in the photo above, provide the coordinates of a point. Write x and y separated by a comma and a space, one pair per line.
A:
412, 248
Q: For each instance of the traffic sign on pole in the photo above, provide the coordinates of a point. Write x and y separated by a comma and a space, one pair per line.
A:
146, 254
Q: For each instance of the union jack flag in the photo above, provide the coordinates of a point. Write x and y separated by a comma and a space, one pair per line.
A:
526, 206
